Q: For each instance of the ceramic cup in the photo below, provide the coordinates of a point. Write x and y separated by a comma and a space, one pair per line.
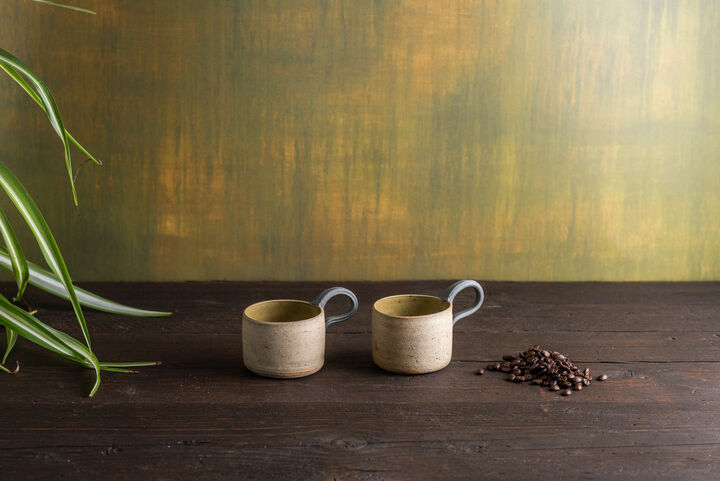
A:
286, 338
412, 333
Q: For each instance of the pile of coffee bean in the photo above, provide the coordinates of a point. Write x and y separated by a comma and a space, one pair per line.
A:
544, 368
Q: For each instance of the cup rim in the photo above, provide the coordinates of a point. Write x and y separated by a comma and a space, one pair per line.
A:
320, 311
447, 307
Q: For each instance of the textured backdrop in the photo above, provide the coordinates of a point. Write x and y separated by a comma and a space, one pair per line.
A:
539, 140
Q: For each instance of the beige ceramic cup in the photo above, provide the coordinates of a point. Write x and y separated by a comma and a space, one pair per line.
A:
412, 334
286, 338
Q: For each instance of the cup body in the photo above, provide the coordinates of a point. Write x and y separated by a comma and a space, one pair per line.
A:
283, 338
412, 334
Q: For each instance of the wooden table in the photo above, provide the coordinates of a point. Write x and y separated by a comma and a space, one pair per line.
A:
201, 415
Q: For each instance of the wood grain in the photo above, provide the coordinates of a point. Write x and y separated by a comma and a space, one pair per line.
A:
201, 415
310, 139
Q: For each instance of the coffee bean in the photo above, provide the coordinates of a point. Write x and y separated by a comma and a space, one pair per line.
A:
479, 372
544, 367
602, 377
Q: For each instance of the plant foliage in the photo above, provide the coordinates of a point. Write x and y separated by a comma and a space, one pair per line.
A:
57, 281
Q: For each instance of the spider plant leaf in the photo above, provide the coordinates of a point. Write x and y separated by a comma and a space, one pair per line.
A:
11, 340
34, 219
71, 7
57, 341
105, 366
15, 75
23, 83
4, 369
20, 270
17, 257
36, 331
116, 369
45, 336
51, 109
129, 364
49, 282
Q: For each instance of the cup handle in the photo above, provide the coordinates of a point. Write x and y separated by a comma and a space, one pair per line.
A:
455, 289
328, 294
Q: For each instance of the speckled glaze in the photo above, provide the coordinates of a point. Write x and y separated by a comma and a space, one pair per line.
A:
284, 349
412, 334
411, 344
285, 338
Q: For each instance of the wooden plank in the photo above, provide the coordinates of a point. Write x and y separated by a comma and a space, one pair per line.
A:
338, 459
225, 349
213, 294
510, 307
413, 441
515, 425
346, 378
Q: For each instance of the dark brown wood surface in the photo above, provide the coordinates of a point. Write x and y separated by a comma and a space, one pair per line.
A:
201, 415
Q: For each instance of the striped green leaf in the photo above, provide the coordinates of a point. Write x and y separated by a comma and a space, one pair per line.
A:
49, 282
71, 7
32, 329
43, 335
15, 75
11, 340
17, 257
20, 270
49, 105
49, 248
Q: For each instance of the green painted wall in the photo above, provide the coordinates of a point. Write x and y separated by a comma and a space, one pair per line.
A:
552, 140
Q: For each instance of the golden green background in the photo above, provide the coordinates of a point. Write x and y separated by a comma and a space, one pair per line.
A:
534, 140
